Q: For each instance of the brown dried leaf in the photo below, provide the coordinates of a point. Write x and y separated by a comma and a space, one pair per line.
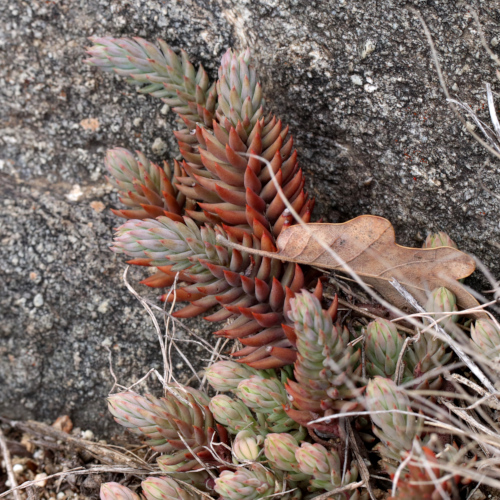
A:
63, 423
368, 245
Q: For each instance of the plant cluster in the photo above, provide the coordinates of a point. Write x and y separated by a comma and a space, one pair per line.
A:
307, 376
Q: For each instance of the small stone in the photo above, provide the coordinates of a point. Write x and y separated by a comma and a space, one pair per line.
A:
137, 122
477, 495
165, 110
41, 479
370, 88
61, 495
88, 435
18, 468
75, 194
38, 300
63, 423
90, 124
159, 146
107, 342
103, 307
368, 48
98, 206
356, 79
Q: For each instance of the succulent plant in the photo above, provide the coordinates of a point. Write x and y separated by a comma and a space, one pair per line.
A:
225, 375
325, 468
158, 71
486, 338
144, 186
425, 355
383, 344
280, 449
231, 193
116, 491
442, 300
247, 446
247, 484
326, 368
234, 415
165, 488
438, 239
220, 189
170, 424
267, 397
200, 479
392, 424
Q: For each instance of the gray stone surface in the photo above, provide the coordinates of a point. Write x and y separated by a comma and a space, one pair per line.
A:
352, 78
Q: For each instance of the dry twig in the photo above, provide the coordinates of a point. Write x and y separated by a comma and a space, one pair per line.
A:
8, 466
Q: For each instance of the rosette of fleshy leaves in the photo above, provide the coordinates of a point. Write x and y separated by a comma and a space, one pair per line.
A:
427, 354
439, 239
267, 397
226, 375
179, 424
383, 346
279, 449
116, 491
166, 488
326, 472
144, 186
235, 416
158, 71
250, 483
441, 300
394, 421
485, 338
247, 446
326, 369
234, 192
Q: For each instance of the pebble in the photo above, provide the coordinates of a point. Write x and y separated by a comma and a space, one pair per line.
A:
75, 194
356, 79
477, 495
88, 435
61, 495
41, 479
103, 307
38, 300
18, 468
159, 146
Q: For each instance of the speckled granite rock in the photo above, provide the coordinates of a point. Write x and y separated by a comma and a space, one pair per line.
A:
352, 78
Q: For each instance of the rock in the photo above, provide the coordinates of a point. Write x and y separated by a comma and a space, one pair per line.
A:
41, 479
355, 82
38, 300
63, 423
477, 495
88, 435
159, 147
18, 468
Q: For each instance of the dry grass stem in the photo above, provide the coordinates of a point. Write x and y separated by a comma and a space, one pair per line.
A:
454, 345
8, 466
363, 469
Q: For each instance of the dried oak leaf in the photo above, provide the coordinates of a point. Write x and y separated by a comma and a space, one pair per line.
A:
368, 245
